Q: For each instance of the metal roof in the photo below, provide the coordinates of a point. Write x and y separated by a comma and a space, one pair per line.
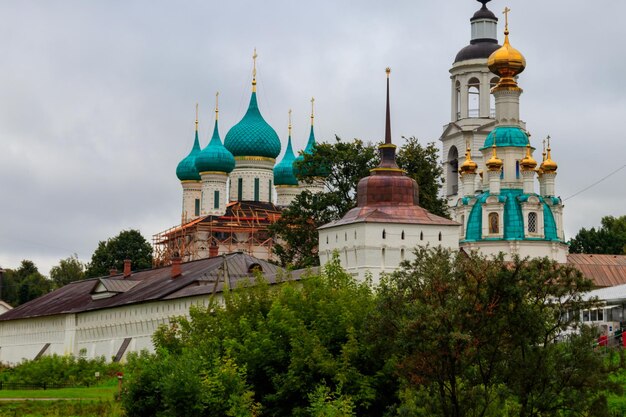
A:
603, 270
197, 278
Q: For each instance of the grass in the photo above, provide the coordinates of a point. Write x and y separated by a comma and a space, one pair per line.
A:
69, 408
92, 393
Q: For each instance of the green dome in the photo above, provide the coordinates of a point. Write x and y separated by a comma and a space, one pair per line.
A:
310, 147
186, 169
252, 136
506, 136
215, 157
283, 171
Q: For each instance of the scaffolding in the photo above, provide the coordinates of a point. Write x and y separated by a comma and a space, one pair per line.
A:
243, 228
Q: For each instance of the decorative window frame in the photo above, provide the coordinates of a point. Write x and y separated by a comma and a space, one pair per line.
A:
493, 205
533, 205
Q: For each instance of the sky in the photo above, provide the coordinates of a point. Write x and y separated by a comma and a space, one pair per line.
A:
97, 98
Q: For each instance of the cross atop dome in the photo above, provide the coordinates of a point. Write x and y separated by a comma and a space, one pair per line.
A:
484, 2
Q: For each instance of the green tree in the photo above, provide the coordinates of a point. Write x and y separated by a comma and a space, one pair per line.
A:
610, 238
68, 270
422, 164
471, 336
128, 244
24, 284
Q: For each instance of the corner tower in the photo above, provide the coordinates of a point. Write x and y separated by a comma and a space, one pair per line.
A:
190, 180
472, 109
255, 146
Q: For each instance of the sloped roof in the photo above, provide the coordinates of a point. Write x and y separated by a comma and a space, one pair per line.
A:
603, 270
197, 278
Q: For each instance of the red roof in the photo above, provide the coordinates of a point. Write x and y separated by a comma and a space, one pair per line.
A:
603, 270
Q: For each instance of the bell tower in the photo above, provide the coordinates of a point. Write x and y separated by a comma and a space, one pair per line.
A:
472, 107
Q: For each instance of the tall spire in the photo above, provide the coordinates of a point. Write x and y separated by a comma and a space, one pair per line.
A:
312, 110
388, 118
289, 127
216, 105
387, 149
254, 57
196, 118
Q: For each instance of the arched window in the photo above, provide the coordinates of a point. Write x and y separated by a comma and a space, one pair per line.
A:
402, 254
532, 222
440, 236
384, 234
402, 235
421, 235
327, 239
494, 223
452, 171
383, 256
458, 100
517, 170
473, 98
492, 98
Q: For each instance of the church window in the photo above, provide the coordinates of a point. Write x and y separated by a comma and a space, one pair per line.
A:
197, 207
473, 97
494, 223
492, 98
532, 222
452, 171
240, 189
256, 189
458, 100
440, 236
502, 173
270, 192
327, 239
402, 235
384, 234
383, 255
517, 170
216, 199
402, 254
421, 235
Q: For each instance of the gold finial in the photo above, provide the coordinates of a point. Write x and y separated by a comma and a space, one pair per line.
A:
289, 128
254, 57
543, 153
388, 71
468, 166
506, 20
312, 110
548, 165
216, 104
494, 163
528, 163
196, 117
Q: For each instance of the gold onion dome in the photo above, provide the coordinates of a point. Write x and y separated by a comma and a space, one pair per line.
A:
548, 165
506, 62
494, 163
528, 163
468, 166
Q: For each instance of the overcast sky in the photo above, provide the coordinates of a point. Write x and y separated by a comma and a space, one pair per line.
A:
97, 97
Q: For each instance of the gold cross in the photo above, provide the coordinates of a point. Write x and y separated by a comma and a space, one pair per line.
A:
254, 57
289, 122
548, 139
196, 115
312, 108
506, 18
216, 102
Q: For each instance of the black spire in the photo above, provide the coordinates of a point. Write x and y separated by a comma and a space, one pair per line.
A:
387, 149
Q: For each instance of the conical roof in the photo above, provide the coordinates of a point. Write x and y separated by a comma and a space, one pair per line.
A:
215, 157
283, 171
186, 169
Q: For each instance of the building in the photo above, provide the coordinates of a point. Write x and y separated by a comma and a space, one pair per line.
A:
387, 223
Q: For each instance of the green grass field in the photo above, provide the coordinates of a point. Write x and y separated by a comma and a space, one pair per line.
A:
93, 393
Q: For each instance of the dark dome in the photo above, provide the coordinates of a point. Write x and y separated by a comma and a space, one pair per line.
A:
479, 48
484, 13
387, 188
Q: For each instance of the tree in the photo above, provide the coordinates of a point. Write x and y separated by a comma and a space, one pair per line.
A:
24, 284
422, 164
68, 270
128, 244
610, 238
471, 336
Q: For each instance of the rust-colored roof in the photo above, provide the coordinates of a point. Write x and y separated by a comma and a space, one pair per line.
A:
151, 285
603, 270
391, 214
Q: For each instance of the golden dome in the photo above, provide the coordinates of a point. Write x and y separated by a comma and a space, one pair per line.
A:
468, 166
528, 163
548, 165
506, 62
494, 163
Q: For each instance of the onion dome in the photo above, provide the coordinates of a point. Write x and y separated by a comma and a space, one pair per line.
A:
468, 166
215, 157
506, 62
484, 35
186, 169
283, 171
253, 136
309, 148
494, 163
548, 165
528, 163
506, 136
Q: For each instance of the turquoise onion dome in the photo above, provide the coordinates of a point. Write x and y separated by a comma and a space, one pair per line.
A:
283, 171
506, 136
253, 136
186, 169
215, 157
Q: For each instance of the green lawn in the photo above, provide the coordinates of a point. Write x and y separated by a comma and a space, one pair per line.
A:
92, 393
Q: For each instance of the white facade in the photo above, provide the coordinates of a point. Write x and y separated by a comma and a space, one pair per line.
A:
285, 194
252, 179
214, 195
192, 195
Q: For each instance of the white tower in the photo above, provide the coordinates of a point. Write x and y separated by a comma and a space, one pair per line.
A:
190, 180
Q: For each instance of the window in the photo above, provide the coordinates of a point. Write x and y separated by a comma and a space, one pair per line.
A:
600, 315
269, 198
402, 235
345, 236
240, 189
421, 235
473, 97
440, 236
532, 222
494, 223
594, 315
384, 234
458, 100
452, 171
197, 207
327, 239
216, 199
492, 98
517, 170
402, 254
256, 189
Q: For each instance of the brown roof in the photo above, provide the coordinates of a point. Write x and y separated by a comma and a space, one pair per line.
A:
391, 214
603, 270
197, 278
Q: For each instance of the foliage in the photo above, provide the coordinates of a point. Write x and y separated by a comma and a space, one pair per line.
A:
68, 270
59, 370
610, 238
24, 284
128, 244
422, 164
475, 336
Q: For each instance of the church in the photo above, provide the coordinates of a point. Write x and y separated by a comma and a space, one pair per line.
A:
501, 199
